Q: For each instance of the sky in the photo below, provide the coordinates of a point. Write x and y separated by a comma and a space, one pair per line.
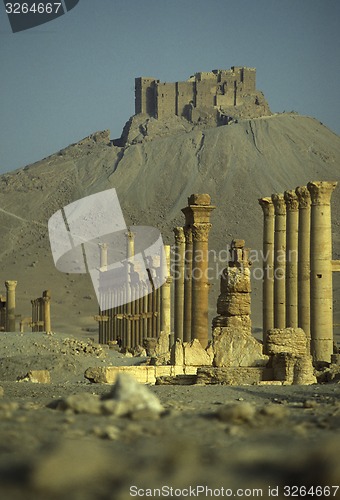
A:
68, 78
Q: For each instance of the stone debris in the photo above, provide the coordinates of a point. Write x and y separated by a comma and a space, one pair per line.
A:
75, 347
36, 377
235, 347
233, 375
248, 413
128, 398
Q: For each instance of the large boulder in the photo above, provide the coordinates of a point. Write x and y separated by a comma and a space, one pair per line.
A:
235, 347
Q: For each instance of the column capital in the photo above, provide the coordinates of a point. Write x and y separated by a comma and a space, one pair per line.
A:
179, 234
321, 191
10, 284
303, 196
200, 231
267, 206
187, 234
279, 204
291, 200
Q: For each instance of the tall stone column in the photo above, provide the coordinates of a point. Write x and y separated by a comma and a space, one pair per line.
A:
304, 259
10, 305
47, 311
279, 261
292, 208
103, 256
197, 215
268, 266
179, 282
187, 284
130, 244
166, 296
321, 270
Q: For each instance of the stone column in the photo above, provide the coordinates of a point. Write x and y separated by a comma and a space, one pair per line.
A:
187, 284
268, 266
10, 305
179, 282
292, 208
47, 311
304, 259
166, 296
130, 244
197, 215
321, 270
279, 261
103, 256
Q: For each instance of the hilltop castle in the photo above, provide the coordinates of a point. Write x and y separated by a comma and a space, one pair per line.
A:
204, 97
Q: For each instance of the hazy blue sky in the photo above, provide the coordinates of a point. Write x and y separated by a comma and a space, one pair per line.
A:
75, 75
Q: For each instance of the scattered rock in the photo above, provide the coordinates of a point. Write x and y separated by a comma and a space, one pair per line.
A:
36, 377
237, 413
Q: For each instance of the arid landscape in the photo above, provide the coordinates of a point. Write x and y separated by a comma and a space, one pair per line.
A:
254, 438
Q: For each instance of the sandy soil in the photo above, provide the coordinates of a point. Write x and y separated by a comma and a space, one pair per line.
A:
249, 437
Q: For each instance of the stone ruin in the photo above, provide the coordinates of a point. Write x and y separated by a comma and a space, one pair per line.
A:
40, 321
297, 331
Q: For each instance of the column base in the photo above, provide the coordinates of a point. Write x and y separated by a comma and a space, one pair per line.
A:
322, 350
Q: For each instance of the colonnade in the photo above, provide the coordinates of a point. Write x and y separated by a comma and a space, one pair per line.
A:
297, 264
132, 308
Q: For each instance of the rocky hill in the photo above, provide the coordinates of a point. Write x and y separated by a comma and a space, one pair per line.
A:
159, 166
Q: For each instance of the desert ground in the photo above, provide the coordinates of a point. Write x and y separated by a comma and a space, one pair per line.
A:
249, 438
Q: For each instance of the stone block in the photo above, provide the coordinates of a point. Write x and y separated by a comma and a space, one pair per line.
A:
233, 375
238, 322
142, 374
38, 377
291, 369
234, 304
235, 347
195, 354
288, 340
177, 353
199, 199
162, 345
150, 344
235, 280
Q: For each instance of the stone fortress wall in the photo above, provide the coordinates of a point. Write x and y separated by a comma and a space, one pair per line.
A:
217, 94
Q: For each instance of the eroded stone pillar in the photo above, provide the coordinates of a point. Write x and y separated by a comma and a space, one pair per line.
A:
187, 284
197, 215
10, 305
166, 296
279, 261
47, 311
321, 270
268, 265
304, 259
179, 282
233, 303
292, 209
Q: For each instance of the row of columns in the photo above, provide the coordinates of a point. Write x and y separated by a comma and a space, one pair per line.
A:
191, 271
145, 307
41, 313
297, 264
